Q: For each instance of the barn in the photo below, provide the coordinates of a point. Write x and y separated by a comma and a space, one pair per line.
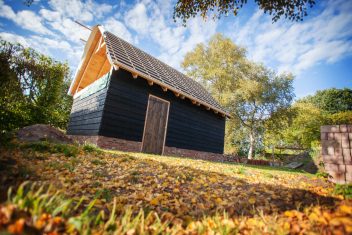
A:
126, 99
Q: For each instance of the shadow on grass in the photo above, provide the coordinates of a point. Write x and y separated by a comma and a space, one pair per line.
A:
180, 190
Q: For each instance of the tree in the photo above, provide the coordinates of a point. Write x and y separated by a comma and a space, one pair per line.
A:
260, 94
331, 100
33, 88
294, 10
249, 91
217, 66
305, 126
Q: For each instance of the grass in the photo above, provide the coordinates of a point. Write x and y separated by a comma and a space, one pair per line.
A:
135, 193
44, 146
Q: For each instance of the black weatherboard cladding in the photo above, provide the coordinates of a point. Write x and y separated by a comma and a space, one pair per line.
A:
189, 126
86, 114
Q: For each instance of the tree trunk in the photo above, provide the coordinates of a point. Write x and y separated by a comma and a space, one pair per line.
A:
251, 145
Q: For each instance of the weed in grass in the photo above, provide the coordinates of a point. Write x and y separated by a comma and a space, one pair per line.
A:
66, 149
104, 194
25, 172
44, 146
100, 173
55, 165
135, 173
69, 167
98, 162
96, 184
240, 170
344, 189
127, 158
91, 148
189, 177
321, 174
268, 175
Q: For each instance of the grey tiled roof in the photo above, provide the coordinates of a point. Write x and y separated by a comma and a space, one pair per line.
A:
122, 52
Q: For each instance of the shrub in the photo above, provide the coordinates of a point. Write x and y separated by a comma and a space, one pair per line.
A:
344, 189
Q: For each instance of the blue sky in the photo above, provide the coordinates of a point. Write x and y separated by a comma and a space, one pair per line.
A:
318, 51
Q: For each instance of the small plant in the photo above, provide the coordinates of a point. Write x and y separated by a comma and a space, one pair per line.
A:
344, 189
97, 184
321, 174
241, 170
105, 194
91, 148
268, 175
44, 146
66, 149
97, 162
127, 158
100, 173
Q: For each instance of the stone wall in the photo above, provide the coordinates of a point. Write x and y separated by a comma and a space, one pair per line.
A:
336, 141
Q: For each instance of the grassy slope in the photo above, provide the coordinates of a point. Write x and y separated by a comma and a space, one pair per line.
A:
180, 191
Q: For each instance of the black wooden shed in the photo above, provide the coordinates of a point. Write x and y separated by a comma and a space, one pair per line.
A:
128, 100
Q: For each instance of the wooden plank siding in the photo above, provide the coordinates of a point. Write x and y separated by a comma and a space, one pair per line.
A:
189, 126
86, 114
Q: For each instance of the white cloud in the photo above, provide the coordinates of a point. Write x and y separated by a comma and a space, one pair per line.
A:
152, 20
70, 30
14, 38
297, 46
137, 19
116, 27
83, 11
45, 45
24, 19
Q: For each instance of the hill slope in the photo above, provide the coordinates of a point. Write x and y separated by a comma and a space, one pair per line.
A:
189, 196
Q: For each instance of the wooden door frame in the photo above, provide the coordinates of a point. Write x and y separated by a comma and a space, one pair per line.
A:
166, 124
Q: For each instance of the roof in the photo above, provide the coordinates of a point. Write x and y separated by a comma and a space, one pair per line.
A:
123, 54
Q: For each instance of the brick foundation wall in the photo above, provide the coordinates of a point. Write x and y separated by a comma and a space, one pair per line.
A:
336, 141
134, 146
109, 143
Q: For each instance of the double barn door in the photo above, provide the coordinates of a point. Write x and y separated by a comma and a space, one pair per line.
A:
155, 125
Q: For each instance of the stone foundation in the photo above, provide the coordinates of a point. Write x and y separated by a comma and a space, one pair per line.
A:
336, 142
135, 146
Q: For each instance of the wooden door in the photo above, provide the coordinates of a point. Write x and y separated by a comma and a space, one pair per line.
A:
155, 125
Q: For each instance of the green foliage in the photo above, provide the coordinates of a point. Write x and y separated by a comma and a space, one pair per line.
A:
305, 126
33, 88
331, 100
91, 148
302, 129
251, 92
344, 189
343, 117
44, 146
293, 10
217, 66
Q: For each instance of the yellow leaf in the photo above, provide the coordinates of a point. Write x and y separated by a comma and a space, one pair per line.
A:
154, 201
252, 200
290, 214
218, 200
346, 209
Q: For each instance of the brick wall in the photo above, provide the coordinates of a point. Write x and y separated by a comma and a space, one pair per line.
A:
336, 141
135, 146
